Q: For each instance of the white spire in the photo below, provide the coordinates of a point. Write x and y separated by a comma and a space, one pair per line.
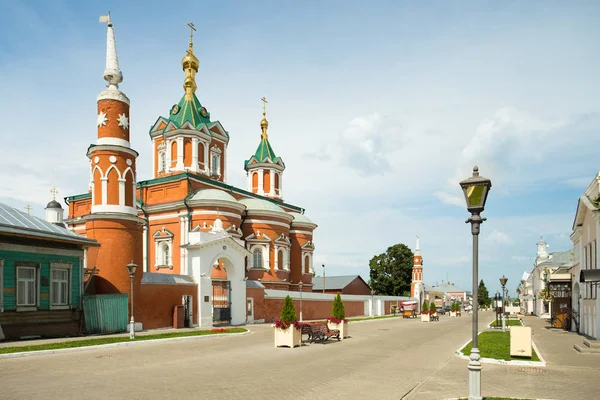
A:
112, 73
418, 247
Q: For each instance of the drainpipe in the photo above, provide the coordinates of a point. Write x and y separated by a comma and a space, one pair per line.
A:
189, 213
147, 226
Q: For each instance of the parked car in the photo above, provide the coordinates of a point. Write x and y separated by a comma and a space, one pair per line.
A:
447, 308
440, 310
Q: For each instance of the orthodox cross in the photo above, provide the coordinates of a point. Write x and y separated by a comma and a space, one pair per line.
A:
264, 100
53, 191
28, 208
192, 29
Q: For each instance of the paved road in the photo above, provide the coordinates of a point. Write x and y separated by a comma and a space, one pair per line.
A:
384, 359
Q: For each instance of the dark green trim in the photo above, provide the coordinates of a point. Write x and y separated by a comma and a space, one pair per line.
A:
78, 197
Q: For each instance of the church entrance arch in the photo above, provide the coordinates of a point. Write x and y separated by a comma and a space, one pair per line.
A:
217, 263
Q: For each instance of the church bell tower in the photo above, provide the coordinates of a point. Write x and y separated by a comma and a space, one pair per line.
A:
417, 287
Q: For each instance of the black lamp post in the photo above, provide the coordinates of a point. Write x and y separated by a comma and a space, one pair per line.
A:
496, 299
131, 268
476, 189
503, 281
300, 284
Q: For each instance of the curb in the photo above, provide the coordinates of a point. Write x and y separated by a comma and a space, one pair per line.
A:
110, 345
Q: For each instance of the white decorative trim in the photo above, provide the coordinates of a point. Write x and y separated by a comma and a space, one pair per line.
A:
111, 141
259, 237
36, 267
217, 203
216, 149
265, 256
266, 222
165, 216
111, 94
114, 208
111, 147
301, 232
40, 250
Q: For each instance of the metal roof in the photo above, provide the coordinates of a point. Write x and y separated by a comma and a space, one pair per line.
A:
15, 222
167, 279
333, 282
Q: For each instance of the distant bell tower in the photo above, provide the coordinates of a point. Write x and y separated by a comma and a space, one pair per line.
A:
264, 168
54, 211
417, 287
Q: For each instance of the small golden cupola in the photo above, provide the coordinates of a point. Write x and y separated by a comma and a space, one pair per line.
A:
264, 168
190, 64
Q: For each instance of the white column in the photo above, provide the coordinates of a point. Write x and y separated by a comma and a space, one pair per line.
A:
145, 249
154, 157
104, 191
92, 179
268, 257
224, 173
194, 154
272, 185
179, 153
260, 181
156, 254
281, 185
121, 192
250, 180
184, 268
181, 241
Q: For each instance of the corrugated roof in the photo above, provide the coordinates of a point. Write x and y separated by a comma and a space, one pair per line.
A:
167, 279
13, 221
333, 282
446, 288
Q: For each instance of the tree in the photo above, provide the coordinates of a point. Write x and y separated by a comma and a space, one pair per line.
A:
391, 272
288, 312
432, 307
484, 297
338, 308
425, 307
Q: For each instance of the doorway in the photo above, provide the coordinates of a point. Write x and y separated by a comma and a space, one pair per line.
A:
249, 310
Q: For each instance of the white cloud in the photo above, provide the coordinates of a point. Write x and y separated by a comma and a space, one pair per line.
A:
450, 199
497, 237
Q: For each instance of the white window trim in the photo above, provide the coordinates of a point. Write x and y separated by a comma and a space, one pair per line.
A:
286, 257
159, 244
265, 259
69, 267
311, 269
36, 268
1, 285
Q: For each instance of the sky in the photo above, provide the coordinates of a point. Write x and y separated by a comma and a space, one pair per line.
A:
377, 109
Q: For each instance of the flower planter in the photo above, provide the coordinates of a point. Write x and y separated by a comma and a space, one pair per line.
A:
290, 337
453, 313
425, 317
342, 327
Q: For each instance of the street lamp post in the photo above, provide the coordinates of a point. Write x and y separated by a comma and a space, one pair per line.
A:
475, 189
372, 304
131, 268
323, 278
300, 284
503, 281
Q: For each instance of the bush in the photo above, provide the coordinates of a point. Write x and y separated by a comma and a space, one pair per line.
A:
338, 311
288, 312
432, 306
425, 307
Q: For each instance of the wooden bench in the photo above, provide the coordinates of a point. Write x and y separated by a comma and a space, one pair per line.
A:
434, 317
320, 332
307, 329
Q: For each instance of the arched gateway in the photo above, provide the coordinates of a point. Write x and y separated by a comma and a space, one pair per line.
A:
205, 250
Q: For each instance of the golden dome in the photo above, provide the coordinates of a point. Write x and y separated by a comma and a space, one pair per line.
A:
190, 60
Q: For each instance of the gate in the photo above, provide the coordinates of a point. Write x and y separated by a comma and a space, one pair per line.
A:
221, 296
105, 313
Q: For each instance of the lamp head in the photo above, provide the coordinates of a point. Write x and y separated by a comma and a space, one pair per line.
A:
131, 267
503, 281
476, 189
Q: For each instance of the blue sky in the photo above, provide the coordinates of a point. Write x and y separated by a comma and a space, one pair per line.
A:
378, 110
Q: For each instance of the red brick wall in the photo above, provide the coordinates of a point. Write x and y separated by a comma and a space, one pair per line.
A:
270, 309
155, 304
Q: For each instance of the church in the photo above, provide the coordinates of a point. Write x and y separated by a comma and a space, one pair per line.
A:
192, 235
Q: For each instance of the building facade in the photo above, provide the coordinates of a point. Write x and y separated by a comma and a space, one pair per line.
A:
192, 233
585, 277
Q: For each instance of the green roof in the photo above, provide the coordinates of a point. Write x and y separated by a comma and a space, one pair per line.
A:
189, 111
263, 152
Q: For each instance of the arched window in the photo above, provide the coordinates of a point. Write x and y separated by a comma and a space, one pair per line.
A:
214, 164
162, 161
257, 258
280, 259
306, 264
165, 255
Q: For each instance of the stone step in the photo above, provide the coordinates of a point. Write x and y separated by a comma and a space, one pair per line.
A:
586, 350
594, 344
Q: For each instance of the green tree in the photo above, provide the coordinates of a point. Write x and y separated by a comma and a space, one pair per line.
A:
288, 312
391, 272
338, 308
484, 297
432, 306
425, 307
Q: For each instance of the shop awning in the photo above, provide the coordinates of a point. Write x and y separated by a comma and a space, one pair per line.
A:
589, 275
